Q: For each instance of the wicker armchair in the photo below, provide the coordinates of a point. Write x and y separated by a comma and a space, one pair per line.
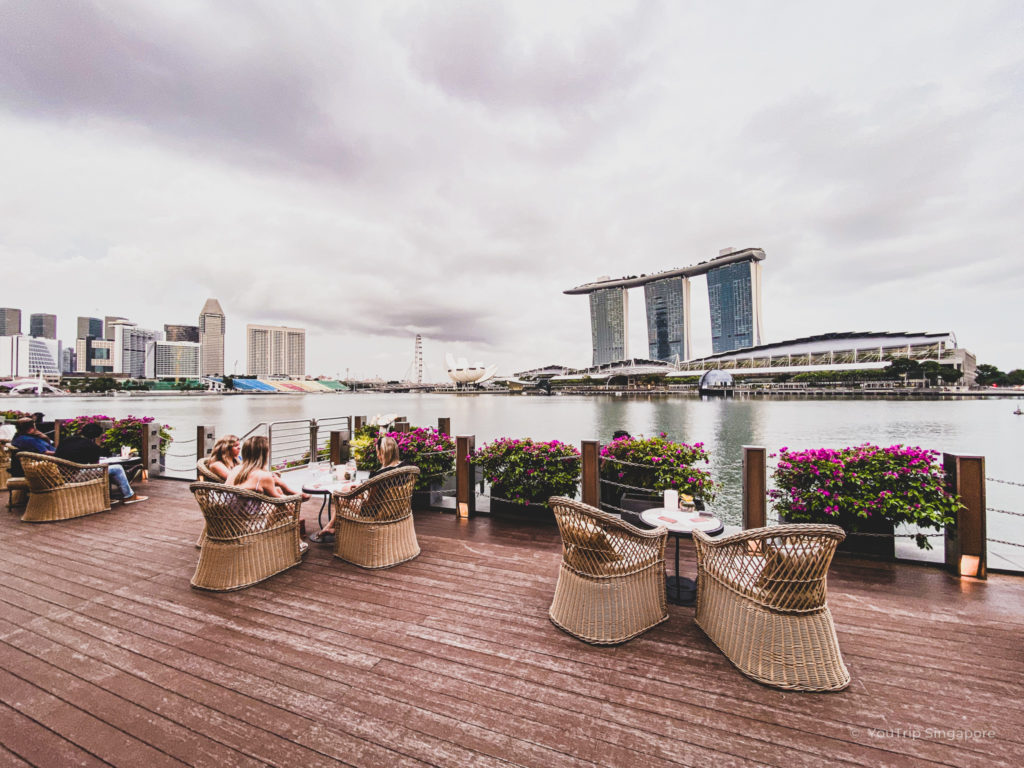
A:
206, 475
611, 583
16, 484
61, 490
761, 599
249, 536
373, 525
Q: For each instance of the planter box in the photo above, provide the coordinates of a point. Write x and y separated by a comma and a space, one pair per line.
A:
534, 511
427, 499
871, 547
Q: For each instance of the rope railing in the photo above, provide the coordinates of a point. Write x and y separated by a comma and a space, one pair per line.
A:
1004, 482
1007, 543
1005, 511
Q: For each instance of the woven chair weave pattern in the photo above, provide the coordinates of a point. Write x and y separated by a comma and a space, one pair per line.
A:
250, 537
61, 489
611, 581
762, 600
373, 524
206, 474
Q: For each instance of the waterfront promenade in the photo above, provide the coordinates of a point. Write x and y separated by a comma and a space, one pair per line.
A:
109, 657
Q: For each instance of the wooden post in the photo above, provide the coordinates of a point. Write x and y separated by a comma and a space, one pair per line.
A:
401, 426
465, 493
358, 421
205, 438
313, 453
340, 446
591, 477
444, 425
755, 487
57, 425
966, 541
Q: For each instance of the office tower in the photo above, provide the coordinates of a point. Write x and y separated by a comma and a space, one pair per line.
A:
108, 326
182, 333
668, 319
275, 351
94, 355
172, 360
42, 326
130, 349
68, 357
89, 326
734, 299
28, 357
211, 338
10, 322
609, 324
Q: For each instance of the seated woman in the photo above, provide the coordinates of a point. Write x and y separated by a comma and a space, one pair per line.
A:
387, 455
253, 472
224, 456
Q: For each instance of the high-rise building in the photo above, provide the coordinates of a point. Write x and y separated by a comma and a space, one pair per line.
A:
275, 350
68, 356
211, 338
89, 326
734, 299
25, 356
42, 326
94, 355
109, 322
10, 321
668, 319
182, 333
609, 324
172, 360
130, 349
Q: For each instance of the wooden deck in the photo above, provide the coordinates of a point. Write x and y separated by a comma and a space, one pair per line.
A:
109, 657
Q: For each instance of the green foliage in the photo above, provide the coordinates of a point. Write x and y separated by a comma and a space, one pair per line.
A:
432, 451
527, 471
987, 375
15, 415
665, 465
851, 485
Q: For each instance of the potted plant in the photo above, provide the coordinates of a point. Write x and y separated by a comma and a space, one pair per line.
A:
866, 490
524, 473
430, 450
653, 464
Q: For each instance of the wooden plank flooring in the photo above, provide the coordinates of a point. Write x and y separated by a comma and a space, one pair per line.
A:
107, 656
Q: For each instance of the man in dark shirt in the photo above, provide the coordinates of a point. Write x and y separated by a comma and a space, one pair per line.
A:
85, 449
30, 440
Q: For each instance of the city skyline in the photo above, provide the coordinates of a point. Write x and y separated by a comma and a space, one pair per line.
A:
369, 172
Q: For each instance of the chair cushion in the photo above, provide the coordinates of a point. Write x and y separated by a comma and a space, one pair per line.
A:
590, 546
784, 578
45, 475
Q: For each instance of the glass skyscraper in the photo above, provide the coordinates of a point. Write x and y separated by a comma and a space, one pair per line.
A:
609, 324
668, 319
734, 298
90, 326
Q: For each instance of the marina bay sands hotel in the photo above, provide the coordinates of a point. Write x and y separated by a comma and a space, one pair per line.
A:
734, 297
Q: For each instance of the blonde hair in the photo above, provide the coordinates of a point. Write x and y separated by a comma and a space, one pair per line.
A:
255, 456
387, 450
222, 451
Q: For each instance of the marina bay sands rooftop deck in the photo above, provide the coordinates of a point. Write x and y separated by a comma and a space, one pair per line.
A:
635, 281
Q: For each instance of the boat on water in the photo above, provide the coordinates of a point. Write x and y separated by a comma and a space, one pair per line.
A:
1018, 412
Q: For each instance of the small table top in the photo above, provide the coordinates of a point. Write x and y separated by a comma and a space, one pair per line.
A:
328, 484
682, 521
120, 459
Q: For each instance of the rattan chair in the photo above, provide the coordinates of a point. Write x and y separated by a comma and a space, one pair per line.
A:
61, 489
611, 583
206, 475
373, 526
249, 536
761, 598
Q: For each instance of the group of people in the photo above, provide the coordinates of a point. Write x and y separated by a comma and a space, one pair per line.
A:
83, 448
246, 465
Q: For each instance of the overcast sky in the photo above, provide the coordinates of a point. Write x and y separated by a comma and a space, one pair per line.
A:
373, 170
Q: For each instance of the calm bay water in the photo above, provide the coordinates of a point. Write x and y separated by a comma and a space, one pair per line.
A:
976, 427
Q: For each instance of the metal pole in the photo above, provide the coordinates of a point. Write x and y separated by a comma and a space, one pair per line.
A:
755, 487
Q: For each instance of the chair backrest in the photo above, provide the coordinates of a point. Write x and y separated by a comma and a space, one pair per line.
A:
45, 473
205, 473
234, 512
781, 566
389, 494
597, 543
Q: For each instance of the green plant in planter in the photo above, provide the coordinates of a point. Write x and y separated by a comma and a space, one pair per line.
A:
432, 451
529, 472
124, 432
852, 487
15, 415
664, 465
